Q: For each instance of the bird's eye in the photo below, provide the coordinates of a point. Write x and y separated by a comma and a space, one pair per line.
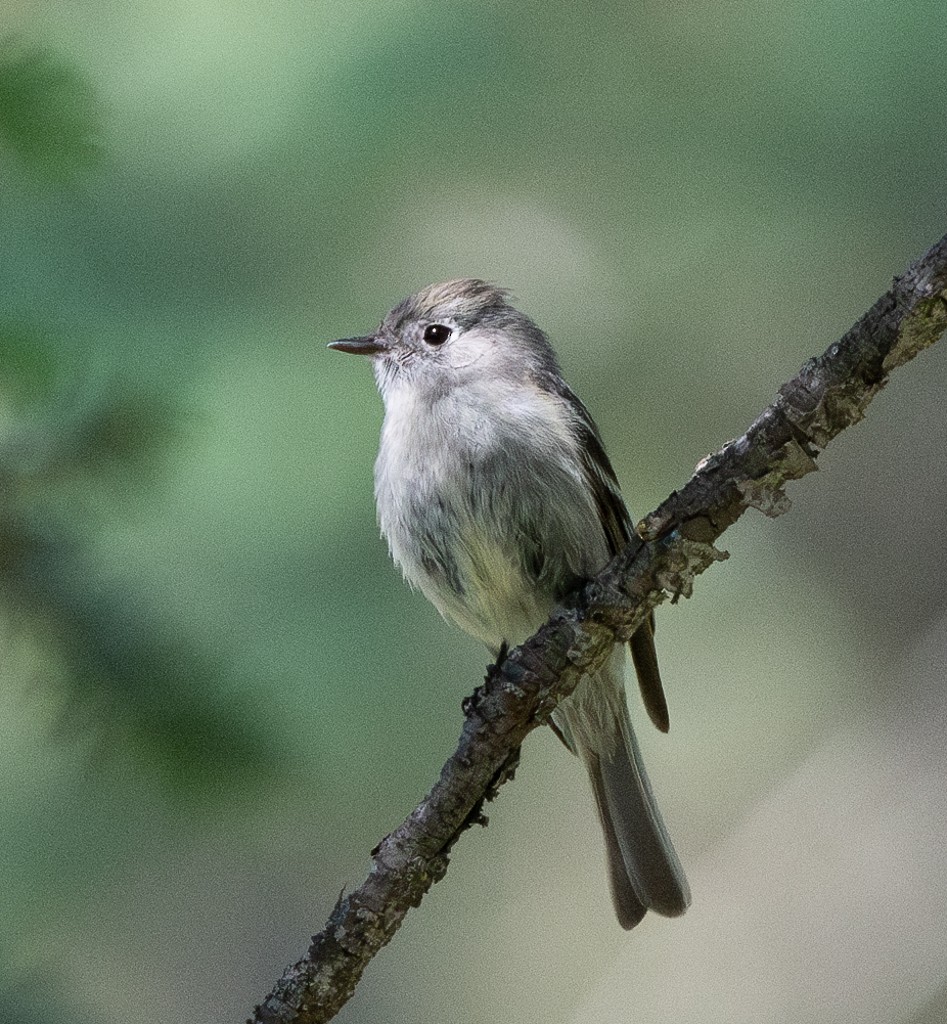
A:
436, 334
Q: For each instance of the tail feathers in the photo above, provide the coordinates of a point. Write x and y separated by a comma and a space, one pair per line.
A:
629, 909
644, 871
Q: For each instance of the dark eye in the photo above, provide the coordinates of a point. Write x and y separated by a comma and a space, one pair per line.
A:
436, 334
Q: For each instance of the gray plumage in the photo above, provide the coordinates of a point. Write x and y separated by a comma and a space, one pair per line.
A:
497, 500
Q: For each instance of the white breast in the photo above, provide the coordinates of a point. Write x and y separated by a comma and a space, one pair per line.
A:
481, 497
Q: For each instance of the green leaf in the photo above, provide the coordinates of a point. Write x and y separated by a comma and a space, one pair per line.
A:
49, 113
27, 363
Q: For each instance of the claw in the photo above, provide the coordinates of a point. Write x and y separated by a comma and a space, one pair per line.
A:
501, 657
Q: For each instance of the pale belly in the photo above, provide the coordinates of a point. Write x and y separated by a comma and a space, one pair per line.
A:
488, 595
496, 535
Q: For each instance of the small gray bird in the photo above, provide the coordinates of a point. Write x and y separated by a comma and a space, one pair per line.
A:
497, 500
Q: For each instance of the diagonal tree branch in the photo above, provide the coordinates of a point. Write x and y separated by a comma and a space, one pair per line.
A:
829, 394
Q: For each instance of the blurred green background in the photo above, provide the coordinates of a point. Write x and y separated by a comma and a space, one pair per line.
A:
217, 694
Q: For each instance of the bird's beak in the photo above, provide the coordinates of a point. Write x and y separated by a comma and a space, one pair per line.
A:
367, 346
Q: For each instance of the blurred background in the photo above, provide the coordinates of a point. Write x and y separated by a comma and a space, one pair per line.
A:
217, 694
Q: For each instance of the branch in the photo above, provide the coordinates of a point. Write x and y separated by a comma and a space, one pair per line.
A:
829, 394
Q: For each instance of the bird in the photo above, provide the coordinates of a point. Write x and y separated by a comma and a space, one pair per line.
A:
497, 500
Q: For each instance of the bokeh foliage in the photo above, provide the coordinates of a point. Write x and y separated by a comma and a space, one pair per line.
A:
49, 115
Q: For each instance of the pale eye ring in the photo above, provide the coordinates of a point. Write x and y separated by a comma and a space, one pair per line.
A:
436, 334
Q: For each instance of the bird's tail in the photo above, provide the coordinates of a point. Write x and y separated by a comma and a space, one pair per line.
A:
643, 868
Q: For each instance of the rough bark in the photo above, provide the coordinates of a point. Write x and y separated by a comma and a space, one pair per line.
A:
829, 394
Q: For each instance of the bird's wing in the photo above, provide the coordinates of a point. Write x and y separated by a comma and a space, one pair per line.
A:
616, 522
